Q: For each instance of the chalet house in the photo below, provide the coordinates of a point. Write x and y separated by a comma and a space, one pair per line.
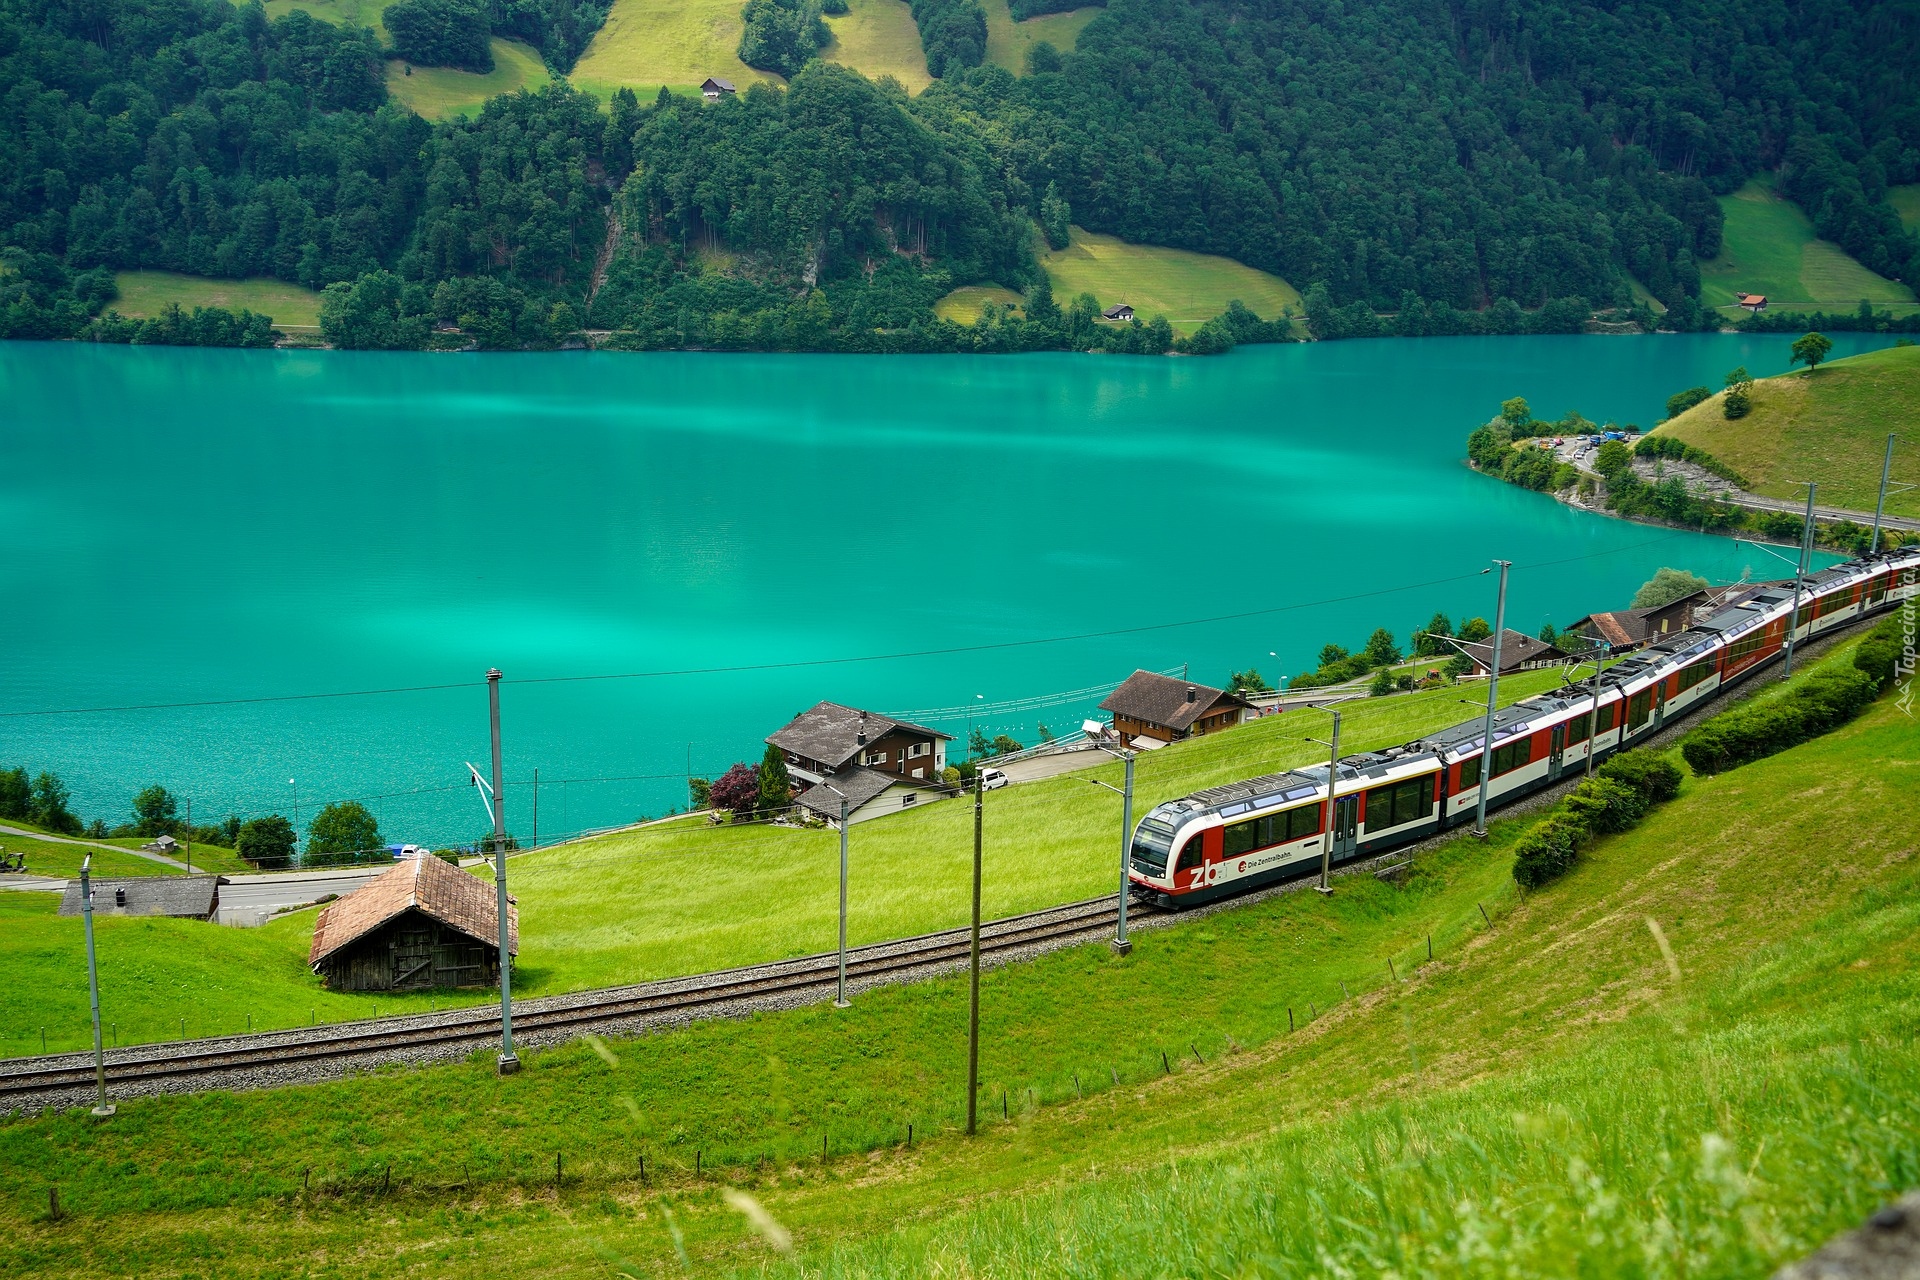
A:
827, 738
713, 88
869, 794
1151, 710
1518, 652
423, 924
1123, 312
179, 897
1754, 302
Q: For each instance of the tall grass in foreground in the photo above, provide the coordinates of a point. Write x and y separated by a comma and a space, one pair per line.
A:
1657, 1157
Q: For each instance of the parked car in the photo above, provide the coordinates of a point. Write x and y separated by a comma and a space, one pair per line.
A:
991, 779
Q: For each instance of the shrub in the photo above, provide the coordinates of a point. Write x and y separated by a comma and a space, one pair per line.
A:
1736, 405
1681, 401
1879, 653
1605, 805
1547, 851
737, 791
1654, 777
1826, 700
1382, 683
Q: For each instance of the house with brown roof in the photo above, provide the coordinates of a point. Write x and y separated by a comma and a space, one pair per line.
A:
1623, 629
423, 924
1150, 710
1518, 652
713, 88
1754, 302
829, 737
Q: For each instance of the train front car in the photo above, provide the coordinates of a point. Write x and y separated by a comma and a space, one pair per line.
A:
1228, 839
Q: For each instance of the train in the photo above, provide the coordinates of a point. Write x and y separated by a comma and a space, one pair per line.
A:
1241, 836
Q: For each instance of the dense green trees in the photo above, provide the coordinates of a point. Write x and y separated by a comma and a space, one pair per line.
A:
266, 842
1420, 169
441, 33
340, 831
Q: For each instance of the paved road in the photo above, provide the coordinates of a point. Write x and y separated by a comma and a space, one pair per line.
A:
249, 900
95, 844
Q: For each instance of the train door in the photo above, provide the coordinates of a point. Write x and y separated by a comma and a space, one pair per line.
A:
1345, 829
1556, 753
1659, 703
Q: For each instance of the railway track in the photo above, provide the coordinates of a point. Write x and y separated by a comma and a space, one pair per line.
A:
304, 1053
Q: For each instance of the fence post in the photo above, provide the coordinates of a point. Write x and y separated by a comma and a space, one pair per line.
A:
1488, 920
1391, 971
1289, 1019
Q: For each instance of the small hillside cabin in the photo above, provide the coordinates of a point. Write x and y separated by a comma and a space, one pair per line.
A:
1518, 652
713, 88
1123, 312
1151, 710
1754, 302
423, 924
180, 897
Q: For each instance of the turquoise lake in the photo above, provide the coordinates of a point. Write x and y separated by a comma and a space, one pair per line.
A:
185, 526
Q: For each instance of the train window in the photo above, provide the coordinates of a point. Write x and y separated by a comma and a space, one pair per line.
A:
1242, 837
1470, 773
1510, 757
1401, 803
1301, 822
1639, 708
1877, 589
1693, 674
1577, 728
1191, 853
1151, 842
1607, 714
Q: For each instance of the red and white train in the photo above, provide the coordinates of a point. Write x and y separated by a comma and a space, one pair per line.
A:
1237, 837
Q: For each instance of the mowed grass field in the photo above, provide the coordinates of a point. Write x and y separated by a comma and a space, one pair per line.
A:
438, 93
1831, 428
1770, 247
1907, 201
879, 38
1008, 41
964, 305
341, 13
677, 43
1187, 288
1662, 1065
147, 293
689, 897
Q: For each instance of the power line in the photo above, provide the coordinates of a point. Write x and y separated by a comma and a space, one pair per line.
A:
804, 663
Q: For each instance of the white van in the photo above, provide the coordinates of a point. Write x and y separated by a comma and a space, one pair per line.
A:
991, 779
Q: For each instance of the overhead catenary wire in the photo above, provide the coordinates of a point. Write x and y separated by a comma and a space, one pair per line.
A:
800, 663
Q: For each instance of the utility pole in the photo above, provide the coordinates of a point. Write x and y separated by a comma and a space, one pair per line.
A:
1799, 576
536, 808
509, 1063
1333, 777
189, 835
1593, 722
296, 813
840, 992
973, 996
1493, 704
1880, 507
101, 1107
1120, 943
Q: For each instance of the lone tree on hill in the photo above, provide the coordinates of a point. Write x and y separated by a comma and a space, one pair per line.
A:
1811, 350
156, 812
1666, 586
266, 842
775, 788
737, 790
1381, 651
340, 829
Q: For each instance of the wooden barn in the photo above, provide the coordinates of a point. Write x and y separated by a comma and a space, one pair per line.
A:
423, 924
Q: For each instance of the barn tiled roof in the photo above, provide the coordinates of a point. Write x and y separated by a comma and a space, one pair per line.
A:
1162, 700
830, 733
427, 884
182, 896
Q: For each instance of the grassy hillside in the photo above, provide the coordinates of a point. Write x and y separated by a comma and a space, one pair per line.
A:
1831, 428
1008, 41
1187, 288
1560, 1079
1770, 247
677, 43
1907, 201
878, 38
53, 858
689, 897
147, 293
341, 13
439, 92
964, 305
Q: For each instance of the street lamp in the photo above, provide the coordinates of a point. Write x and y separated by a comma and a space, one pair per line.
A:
296, 812
840, 1000
1333, 777
1090, 727
101, 1107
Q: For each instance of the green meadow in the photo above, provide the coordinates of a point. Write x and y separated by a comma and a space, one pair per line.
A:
148, 293
646, 44
1906, 200
964, 305
1187, 288
1663, 1065
686, 897
1008, 41
878, 38
1769, 247
1830, 427
438, 93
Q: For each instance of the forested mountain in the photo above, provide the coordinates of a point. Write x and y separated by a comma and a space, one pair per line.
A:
1470, 166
